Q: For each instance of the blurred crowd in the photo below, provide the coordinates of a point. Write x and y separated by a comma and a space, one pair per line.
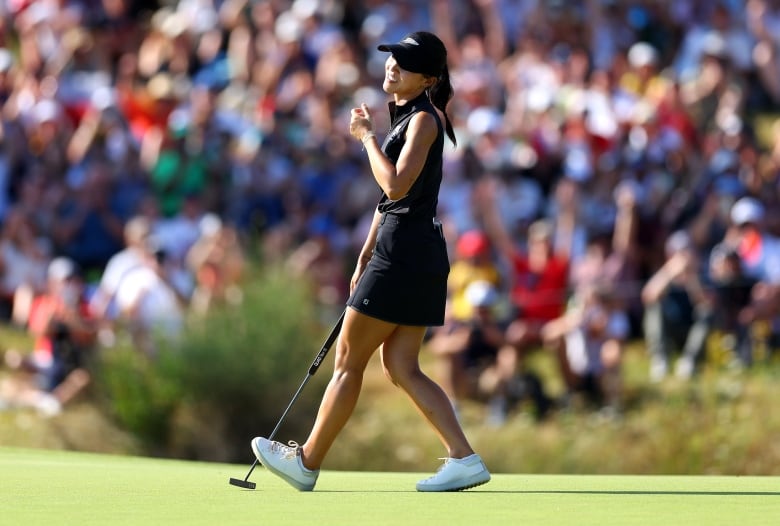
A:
616, 175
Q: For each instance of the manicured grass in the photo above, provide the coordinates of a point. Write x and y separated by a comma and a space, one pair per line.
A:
54, 487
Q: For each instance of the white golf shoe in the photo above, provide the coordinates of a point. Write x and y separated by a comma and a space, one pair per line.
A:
285, 461
457, 474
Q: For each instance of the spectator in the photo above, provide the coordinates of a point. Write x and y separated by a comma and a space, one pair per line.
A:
149, 306
177, 166
678, 310
317, 261
466, 352
176, 236
589, 337
759, 251
538, 293
467, 343
759, 254
24, 255
593, 333
733, 290
64, 334
218, 262
86, 228
103, 303
762, 21
720, 33
473, 262
708, 227
466, 349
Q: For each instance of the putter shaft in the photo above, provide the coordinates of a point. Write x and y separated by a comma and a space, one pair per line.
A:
312, 369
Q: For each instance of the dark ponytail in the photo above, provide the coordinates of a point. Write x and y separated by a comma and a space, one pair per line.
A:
440, 94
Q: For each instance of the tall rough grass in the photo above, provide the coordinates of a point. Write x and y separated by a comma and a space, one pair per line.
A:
227, 381
722, 422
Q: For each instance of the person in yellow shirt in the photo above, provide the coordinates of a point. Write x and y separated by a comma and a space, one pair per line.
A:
467, 343
473, 262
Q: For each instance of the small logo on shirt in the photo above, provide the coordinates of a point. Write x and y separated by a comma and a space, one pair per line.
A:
395, 132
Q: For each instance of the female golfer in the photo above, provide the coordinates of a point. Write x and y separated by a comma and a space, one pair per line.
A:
400, 284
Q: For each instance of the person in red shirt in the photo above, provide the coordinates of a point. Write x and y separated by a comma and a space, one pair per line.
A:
538, 290
540, 279
63, 331
61, 324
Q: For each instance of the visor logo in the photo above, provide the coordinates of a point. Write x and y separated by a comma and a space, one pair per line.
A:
410, 40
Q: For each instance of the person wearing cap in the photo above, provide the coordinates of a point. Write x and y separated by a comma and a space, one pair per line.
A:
759, 251
759, 254
466, 348
642, 77
399, 287
473, 262
678, 309
467, 344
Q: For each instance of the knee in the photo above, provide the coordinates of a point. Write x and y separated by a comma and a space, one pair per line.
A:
611, 353
517, 333
347, 364
400, 373
507, 361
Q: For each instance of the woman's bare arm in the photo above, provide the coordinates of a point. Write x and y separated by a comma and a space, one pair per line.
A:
396, 180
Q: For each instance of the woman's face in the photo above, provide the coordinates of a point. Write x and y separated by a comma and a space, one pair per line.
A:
402, 83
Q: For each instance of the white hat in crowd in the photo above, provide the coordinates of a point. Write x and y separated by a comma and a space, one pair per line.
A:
747, 210
642, 54
481, 294
61, 268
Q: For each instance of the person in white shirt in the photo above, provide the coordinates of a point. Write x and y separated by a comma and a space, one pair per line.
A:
103, 304
149, 305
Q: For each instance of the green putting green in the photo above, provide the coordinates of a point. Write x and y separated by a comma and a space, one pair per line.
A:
64, 488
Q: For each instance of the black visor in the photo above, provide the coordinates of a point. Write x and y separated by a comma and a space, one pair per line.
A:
420, 52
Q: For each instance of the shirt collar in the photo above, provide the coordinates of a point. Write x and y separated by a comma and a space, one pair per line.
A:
399, 112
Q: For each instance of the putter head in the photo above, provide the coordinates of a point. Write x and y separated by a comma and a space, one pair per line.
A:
242, 483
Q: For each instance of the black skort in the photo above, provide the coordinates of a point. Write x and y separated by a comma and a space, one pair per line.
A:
405, 282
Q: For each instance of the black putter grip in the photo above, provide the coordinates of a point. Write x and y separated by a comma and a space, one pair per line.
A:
334, 333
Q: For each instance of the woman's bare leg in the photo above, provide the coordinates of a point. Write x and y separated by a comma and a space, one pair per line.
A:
400, 353
360, 336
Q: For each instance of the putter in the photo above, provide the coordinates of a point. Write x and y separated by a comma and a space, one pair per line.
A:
246, 483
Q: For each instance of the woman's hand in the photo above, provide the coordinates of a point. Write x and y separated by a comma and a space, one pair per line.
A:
361, 125
359, 269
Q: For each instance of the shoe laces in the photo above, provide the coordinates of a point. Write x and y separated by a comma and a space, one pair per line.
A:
288, 452
446, 460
